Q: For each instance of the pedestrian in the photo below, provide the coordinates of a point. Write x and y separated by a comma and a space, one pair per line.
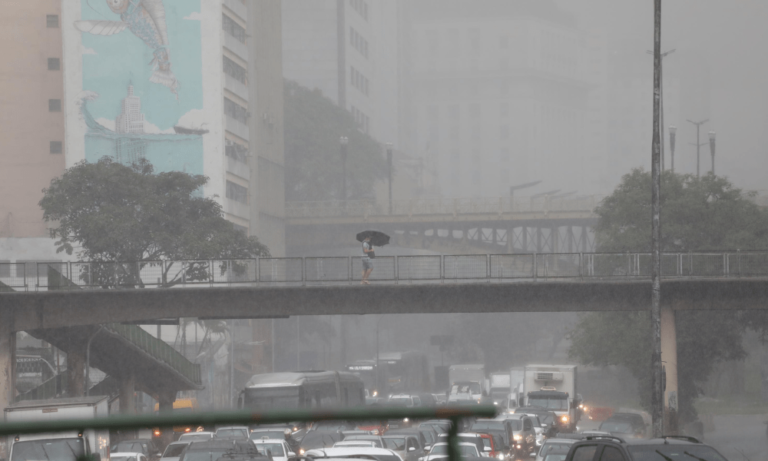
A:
368, 256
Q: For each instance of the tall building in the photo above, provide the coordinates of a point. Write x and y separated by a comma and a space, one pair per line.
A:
189, 108
496, 94
349, 50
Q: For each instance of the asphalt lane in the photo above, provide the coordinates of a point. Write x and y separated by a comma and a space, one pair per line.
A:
740, 437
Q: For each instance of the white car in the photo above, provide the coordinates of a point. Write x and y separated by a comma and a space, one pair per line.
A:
555, 449
173, 451
126, 456
196, 437
380, 454
278, 450
376, 439
232, 432
440, 451
355, 443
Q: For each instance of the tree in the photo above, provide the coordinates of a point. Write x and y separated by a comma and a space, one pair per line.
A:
313, 166
697, 215
114, 213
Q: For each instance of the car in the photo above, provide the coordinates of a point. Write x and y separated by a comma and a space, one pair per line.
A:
493, 446
407, 445
467, 437
144, 446
211, 449
421, 434
489, 426
276, 449
440, 451
441, 426
403, 400
620, 428
376, 439
277, 433
635, 419
356, 443
127, 456
522, 434
375, 454
233, 433
427, 400
553, 449
174, 450
612, 448
333, 426
546, 417
196, 436
319, 439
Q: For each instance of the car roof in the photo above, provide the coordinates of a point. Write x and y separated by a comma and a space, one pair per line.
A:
556, 440
232, 427
351, 451
258, 441
213, 443
127, 453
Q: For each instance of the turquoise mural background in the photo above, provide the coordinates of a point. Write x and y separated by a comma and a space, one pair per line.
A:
123, 45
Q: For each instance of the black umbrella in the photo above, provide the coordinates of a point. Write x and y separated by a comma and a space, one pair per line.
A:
378, 238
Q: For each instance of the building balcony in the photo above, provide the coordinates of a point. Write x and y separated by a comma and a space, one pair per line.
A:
236, 86
238, 168
238, 8
237, 128
236, 46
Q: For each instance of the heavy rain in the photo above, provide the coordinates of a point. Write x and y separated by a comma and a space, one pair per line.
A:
383, 230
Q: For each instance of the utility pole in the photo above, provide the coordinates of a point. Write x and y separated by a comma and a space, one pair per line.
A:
389, 173
661, 103
698, 145
657, 393
712, 149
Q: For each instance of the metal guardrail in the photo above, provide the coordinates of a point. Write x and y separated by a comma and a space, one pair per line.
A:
439, 206
392, 269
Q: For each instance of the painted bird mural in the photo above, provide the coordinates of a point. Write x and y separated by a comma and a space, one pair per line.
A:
146, 20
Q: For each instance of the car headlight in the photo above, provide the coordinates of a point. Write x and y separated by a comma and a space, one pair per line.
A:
495, 403
518, 437
301, 451
500, 456
564, 419
405, 420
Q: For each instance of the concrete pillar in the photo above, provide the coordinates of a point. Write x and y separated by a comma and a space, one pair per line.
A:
7, 358
127, 393
669, 360
165, 401
525, 239
76, 371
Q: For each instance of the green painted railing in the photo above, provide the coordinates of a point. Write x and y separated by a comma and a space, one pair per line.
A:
159, 350
49, 389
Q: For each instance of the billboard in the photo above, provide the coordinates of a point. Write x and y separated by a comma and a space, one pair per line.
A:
141, 82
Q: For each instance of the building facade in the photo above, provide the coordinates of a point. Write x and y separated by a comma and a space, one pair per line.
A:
170, 85
496, 95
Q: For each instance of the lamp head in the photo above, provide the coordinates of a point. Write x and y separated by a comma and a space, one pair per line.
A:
672, 130
711, 135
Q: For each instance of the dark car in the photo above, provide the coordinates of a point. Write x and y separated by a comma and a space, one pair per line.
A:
427, 400
144, 446
494, 428
620, 428
635, 419
213, 449
547, 418
318, 439
663, 449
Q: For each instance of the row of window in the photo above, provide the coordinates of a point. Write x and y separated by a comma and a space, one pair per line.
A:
358, 42
358, 80
235, 70
233, 28
235, 110
236, 151
361, 6
237, 192
362, 120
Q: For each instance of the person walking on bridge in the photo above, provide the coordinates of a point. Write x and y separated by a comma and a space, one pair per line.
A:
368, 256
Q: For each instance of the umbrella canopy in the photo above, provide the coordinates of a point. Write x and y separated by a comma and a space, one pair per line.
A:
378, 238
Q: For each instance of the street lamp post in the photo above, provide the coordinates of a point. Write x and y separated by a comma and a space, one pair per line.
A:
698, 144
672, 135
661, 102
712, 149
389, 172
343, 141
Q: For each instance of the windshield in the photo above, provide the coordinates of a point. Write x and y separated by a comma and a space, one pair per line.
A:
614, 426
130, 447
232, 433
466, 388
273, 449
515, 424
551, 403
395, 443
487, 425
468, 450
441, 449
268, 434
555, 448
556, 457
364, 438
174, 451
676, 452
203, 455
48, 450
271, 398
195, 437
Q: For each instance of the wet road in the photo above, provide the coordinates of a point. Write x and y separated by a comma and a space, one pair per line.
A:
740, 437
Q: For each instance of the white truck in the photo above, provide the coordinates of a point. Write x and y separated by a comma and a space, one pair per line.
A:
554, 387
59, 446
517, 385
466, 382
500, 386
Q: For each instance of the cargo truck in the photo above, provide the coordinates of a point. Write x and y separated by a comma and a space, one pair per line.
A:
554, 387
500, 386
467, 382
59, 446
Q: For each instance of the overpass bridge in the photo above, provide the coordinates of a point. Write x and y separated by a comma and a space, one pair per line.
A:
513, 224
280, 287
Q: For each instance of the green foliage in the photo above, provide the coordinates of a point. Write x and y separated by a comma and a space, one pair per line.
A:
112, 212
696, 215
313, 167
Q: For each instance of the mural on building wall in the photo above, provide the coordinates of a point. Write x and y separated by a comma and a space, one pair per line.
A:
137, 102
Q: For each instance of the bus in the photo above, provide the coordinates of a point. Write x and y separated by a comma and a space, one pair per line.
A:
403, 372
304, 389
